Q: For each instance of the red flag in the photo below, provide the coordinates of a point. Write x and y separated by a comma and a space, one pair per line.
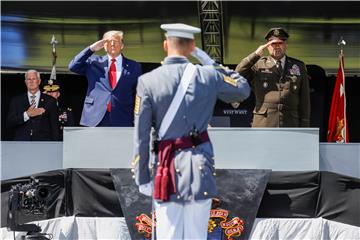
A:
338, 128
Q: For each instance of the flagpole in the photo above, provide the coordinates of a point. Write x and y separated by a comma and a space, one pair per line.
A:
341, 44
53, 51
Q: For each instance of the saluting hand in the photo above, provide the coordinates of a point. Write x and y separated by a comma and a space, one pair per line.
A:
260, 50
96, 46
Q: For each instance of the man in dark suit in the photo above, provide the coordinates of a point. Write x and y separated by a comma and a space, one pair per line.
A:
280, 84
33, 115
112, 81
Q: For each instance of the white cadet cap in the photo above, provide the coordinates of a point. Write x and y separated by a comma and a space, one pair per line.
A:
180, 30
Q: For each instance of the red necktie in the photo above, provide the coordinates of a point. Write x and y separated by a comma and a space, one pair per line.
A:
112, 79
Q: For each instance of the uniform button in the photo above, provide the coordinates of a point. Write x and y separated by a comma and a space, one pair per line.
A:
178, 196
133, 176
158, 163
193, 146
205, 193
132, 170
214, 173
179, 149
214, 166
177, 170
200, 168
184, 117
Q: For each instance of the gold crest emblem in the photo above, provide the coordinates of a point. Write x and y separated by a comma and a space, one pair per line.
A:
235, 104
276, 32
50, 82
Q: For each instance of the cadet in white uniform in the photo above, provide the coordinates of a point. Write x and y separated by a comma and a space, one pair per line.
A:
185, 175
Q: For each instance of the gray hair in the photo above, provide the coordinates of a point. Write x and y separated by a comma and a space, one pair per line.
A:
32, 71
119, 34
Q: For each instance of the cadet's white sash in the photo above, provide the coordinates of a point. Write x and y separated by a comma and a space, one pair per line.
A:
179, 95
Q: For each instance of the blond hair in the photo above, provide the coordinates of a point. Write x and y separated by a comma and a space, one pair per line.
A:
108, 34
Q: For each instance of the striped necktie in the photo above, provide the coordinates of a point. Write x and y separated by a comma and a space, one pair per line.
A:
33, 102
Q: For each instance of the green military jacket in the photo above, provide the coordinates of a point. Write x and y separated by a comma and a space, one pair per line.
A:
282, 97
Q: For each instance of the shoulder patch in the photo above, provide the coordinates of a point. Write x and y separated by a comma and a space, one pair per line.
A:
230, 80
137, 104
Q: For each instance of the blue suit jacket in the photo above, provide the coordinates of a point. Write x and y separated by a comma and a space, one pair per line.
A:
99, 91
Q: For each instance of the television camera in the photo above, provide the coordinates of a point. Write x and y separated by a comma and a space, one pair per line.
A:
29, 199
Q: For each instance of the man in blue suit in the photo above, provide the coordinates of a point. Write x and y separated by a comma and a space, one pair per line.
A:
112, 81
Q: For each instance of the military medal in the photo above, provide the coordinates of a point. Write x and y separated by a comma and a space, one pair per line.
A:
265, 84
293, 78
295, 70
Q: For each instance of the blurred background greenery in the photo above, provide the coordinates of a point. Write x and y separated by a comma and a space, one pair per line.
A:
314, 28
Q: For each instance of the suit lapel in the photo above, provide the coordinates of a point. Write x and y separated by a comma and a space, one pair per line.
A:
286, 65
105, 66
41, 101
124, 71
25, 101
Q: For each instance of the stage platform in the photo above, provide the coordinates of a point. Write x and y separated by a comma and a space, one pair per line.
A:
285, 149
83, 200
313, 188
73, 228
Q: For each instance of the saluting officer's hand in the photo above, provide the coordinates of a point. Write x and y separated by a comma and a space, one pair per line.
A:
202, 56
260, 50
96, 46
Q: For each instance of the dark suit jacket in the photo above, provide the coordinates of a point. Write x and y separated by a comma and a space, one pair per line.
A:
40, 128
99, 91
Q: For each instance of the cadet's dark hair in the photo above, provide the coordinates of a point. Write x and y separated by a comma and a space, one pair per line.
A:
179, 43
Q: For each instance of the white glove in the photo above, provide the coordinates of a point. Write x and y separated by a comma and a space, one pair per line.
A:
146, 189
202, 56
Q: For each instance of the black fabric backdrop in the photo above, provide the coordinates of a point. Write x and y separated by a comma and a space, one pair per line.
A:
91, 193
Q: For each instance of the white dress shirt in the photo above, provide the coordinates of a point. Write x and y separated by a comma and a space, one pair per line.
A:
282, 60
37, 99
118, 64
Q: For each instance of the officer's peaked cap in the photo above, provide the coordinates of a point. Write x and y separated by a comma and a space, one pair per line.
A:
180, 30
277, 33
52, 85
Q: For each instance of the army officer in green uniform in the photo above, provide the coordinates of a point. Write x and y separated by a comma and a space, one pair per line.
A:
280, 84
66, 116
